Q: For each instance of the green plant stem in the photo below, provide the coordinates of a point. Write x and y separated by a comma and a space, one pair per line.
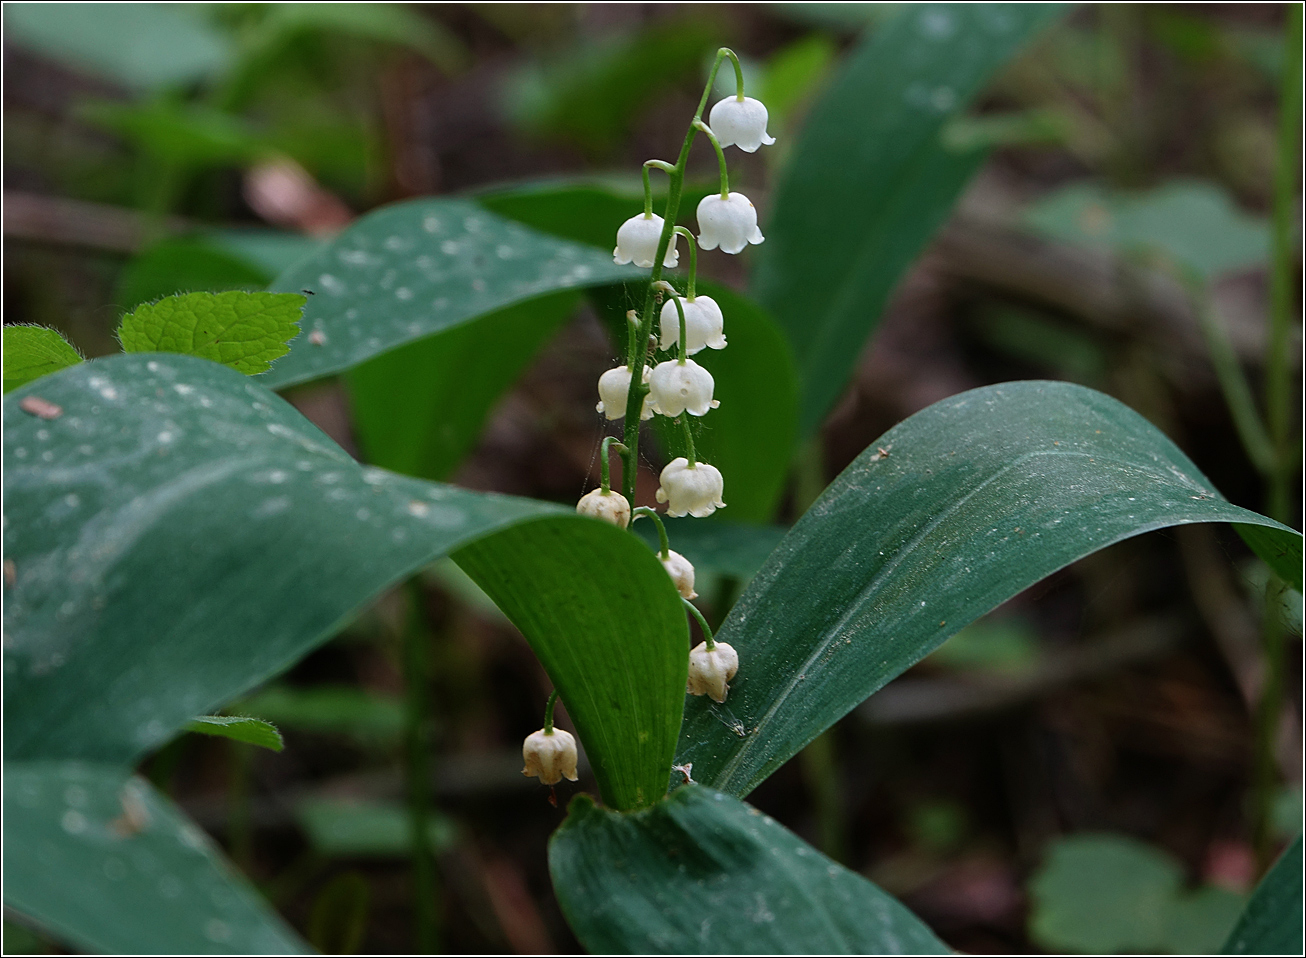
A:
1278, 407
821, 773
1265, 773
604, 471
680, 309
691, 286
689, 438
548, 712
720, 156
1233, 383
417, 744
702, 624
639, 342
665, 546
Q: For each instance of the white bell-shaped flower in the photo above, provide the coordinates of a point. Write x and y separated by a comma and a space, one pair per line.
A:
551, 755
703, 324
710, 671
730, 223
740, 123
682, 573
614, 386
677, 387
637, 242
609, 506
690, 490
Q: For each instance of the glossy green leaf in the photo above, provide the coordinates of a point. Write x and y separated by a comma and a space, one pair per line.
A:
622, 676
105, 862
704, 873
357, 828
408, 270
980, 496
245, 331
138, 44
1271, 925
179, 534
419, 409
1190, 224
186, 266
31, 352
240, 728
870, 180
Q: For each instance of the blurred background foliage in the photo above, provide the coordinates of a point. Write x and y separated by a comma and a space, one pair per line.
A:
1069, 774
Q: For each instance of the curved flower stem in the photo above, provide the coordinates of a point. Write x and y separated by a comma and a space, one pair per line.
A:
608, 442
680, 308
665, 551
548, 712
635, 397
720, 157
693, 261
665, 167
689, 437
702, 624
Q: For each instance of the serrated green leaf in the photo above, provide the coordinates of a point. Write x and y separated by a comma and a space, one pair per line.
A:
870, 180
419, 409
252, 731
406, 271
32, 352
245, 331
1271, 925
192, 535
100, 858
702, 873
980, 496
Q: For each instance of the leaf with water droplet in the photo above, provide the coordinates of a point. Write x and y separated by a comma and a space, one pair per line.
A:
245, 331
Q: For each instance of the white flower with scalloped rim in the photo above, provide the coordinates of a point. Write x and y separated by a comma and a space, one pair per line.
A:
681, 571
614, 385
637, 241
609, 506
730, 223
690, 490
710, 672
704, 324
740, 123
677, 387
550, 756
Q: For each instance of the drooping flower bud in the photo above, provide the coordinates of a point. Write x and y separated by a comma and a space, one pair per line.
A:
677, 387
710, 671
614, 386
609, 506
730, 223
682, 573
703, 324
740, 123
691, 490
637, 241
551, 755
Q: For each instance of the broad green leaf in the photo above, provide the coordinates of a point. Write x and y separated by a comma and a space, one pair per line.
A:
245, 331
627, 707
358, 828
726, 548
137, 44
179, 534
1184, 223
979, 497
33, 351
1271, 925
368, 717
105, 862
870, 180
703, 873
408, 270
1105, 894
419, 409
241, 728
186, 266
